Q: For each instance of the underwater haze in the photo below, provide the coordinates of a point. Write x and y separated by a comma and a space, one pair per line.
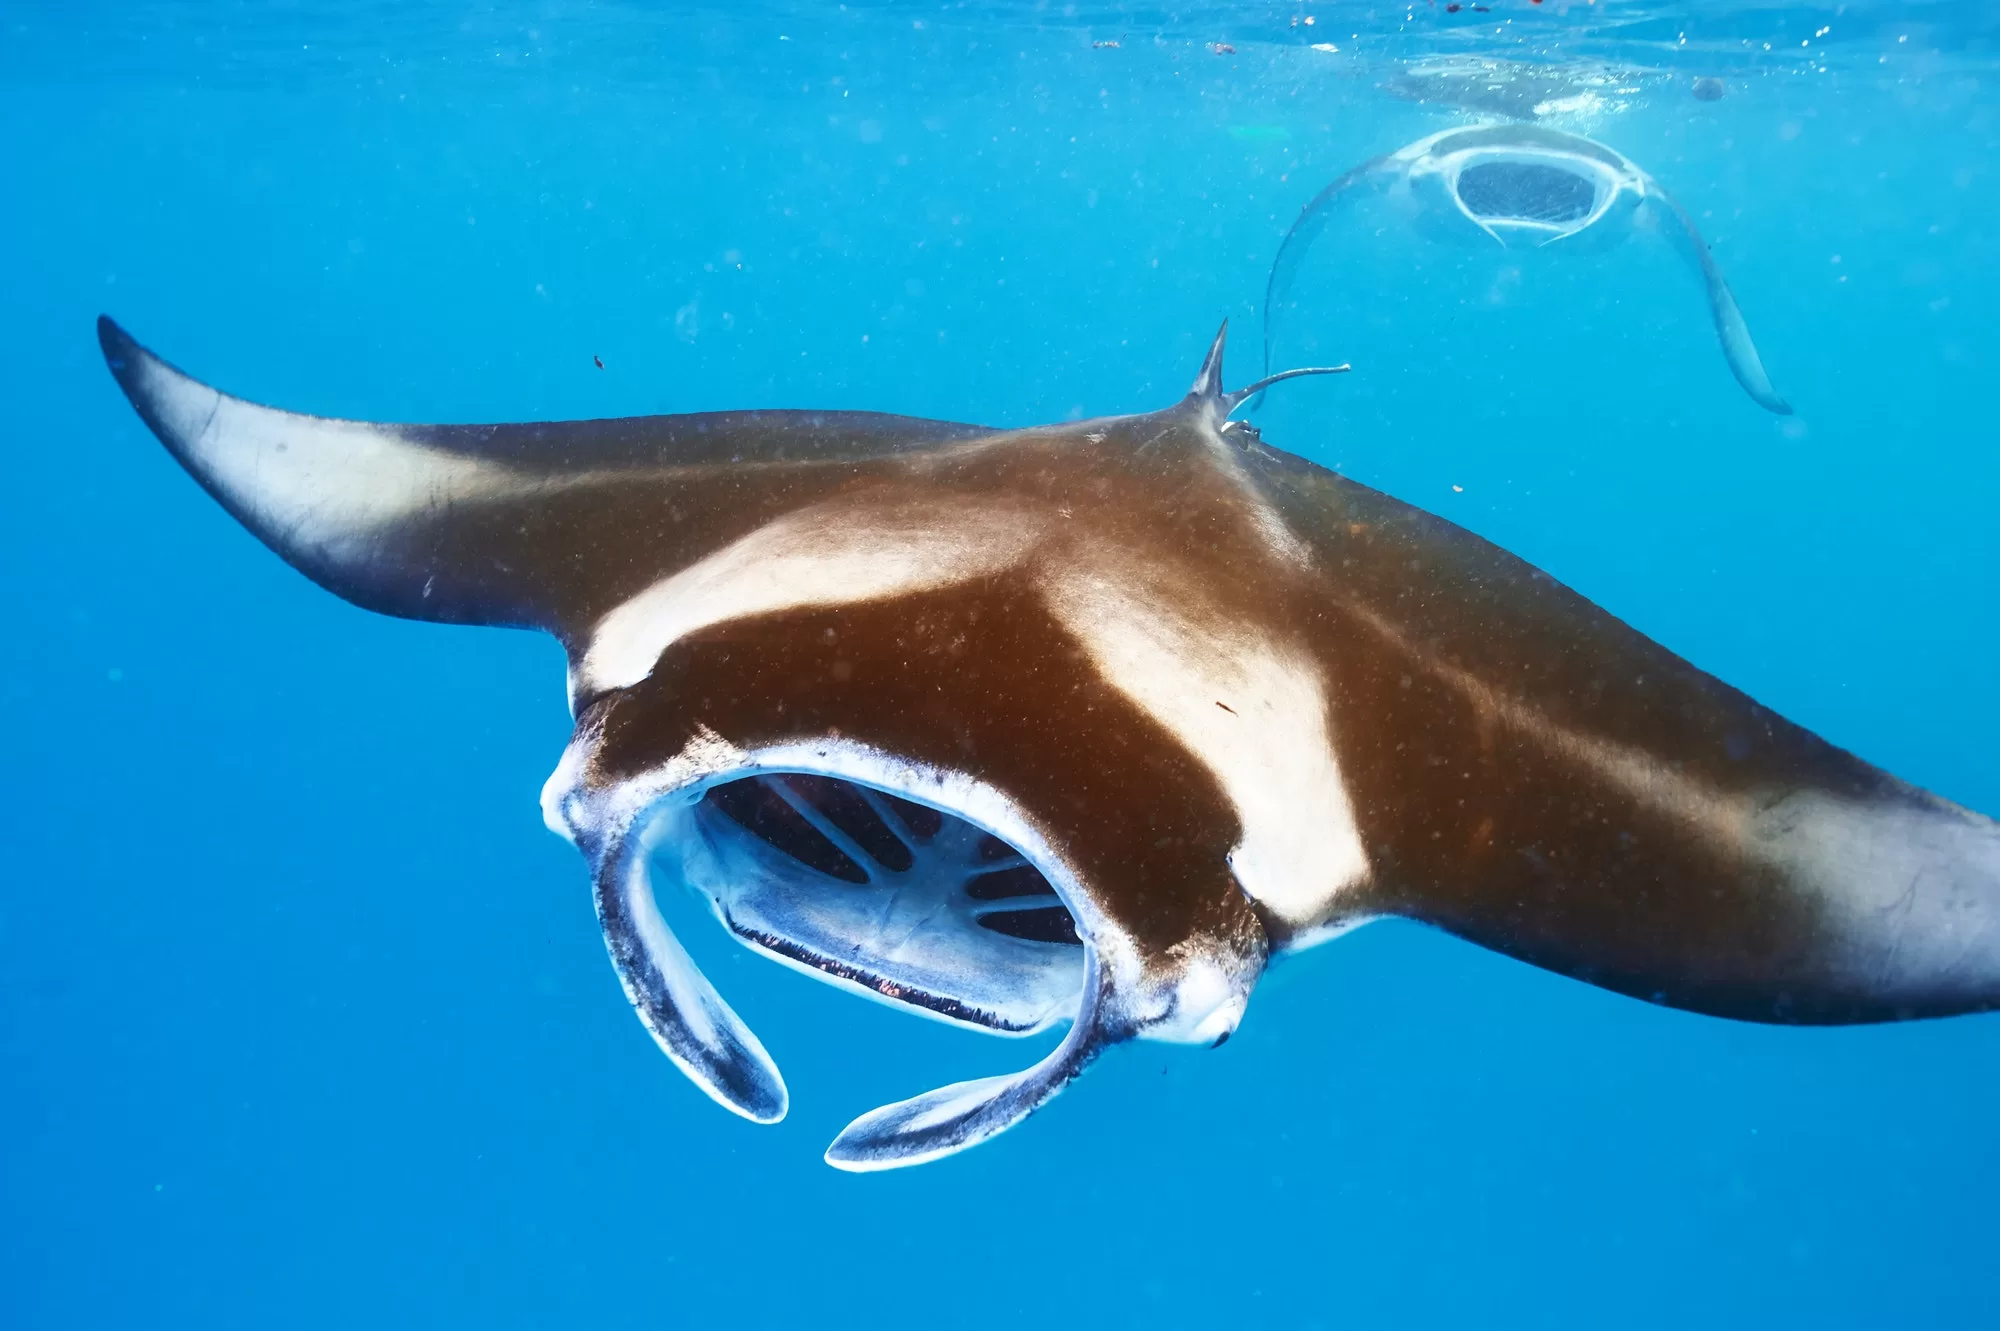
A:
305, 1018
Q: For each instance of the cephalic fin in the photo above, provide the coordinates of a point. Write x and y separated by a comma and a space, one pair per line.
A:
964, 1114
687, 1018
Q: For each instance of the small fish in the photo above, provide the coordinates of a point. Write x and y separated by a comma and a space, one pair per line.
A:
598, 363
1709, 89
1222, 48
1104, 46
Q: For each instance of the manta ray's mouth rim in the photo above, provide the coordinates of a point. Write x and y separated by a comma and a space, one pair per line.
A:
1606, 181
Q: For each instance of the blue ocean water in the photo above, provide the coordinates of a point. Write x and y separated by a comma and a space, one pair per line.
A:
305, 1020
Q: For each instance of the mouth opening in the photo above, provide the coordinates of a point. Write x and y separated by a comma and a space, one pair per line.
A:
1534, 195
875, 892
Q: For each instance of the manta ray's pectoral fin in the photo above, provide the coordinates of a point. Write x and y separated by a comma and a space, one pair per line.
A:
497, 524
676, 1003
368, 511
952, 1118
1730, 328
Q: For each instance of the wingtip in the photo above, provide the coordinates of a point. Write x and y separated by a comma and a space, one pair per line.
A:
118, 345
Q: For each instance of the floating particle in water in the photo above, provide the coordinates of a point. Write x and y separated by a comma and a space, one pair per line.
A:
1104, 46
597, 362
1709, 89
1222, 48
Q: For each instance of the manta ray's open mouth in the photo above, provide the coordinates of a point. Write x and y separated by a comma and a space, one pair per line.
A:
873, 890
892, 898
1534, 192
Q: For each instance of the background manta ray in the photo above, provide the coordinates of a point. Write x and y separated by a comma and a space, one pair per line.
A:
1088, 722
1523, 185
1519, 89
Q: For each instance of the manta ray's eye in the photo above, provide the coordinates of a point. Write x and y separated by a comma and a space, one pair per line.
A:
871, 889
1525, 192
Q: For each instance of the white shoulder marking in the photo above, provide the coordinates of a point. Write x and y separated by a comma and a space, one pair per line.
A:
1255, 715
834, 554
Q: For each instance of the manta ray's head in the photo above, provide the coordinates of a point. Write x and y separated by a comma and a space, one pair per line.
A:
903, 742
1523, 185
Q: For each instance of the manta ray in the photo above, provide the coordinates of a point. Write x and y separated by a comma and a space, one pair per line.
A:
1087, 724
1524, 187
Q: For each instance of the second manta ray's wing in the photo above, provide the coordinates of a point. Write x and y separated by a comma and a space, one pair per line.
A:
1312, 220
1730, 328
